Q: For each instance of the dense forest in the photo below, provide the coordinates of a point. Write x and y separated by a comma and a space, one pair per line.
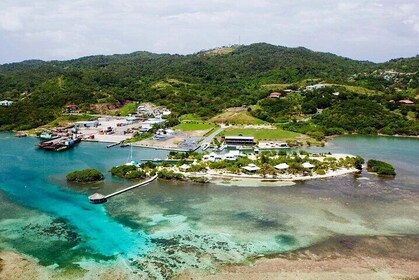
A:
205, 83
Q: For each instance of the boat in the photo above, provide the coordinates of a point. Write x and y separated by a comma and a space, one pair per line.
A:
130, 161
46, 136
123, 145
59, 144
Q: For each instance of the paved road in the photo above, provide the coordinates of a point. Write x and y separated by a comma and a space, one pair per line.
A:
209, 138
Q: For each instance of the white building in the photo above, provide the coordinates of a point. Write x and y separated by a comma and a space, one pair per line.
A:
212, 157
6, 103
314, 87
281, 166
308, 165
87, 124
148, 124
166, 112
251, 167
232, 155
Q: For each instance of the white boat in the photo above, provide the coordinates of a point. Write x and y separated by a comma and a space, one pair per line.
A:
46, 135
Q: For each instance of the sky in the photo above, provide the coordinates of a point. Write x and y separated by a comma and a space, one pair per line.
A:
65, 29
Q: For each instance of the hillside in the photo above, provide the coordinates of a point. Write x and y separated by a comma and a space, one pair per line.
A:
199, 84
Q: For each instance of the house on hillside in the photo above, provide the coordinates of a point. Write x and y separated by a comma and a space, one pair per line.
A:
71, 108
275, 95
288, 91
407, 102
314, 87
6, 103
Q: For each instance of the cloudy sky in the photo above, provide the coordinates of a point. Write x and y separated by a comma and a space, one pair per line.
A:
63, 29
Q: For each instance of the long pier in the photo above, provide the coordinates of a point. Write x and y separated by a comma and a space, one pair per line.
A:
98, 198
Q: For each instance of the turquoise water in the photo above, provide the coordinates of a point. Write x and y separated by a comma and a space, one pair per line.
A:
25, 180
403, 153
165, 227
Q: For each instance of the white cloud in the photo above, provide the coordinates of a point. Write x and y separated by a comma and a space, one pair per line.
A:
61, 29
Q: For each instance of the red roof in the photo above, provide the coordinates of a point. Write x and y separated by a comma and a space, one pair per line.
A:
275, 94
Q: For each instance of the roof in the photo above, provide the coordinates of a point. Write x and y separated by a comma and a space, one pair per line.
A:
307, 165
251, 167
281, 166
96, 196
406, 101
234, 153
239, 137
185, 166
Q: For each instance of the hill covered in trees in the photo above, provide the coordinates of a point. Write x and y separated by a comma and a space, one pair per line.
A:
203, 84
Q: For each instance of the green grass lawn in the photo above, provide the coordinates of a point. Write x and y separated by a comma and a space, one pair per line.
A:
189, 117
262, 134
130, 108
194, 126
359, 89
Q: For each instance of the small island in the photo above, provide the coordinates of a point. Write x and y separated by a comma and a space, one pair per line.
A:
273, 165
89, 175
381, 168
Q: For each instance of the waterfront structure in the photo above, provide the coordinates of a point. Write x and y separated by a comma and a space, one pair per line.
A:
98, 198
239, 141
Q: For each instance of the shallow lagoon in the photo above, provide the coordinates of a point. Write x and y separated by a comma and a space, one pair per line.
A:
166, 227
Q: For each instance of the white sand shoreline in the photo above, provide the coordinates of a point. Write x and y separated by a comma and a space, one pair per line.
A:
257, 180
214, 175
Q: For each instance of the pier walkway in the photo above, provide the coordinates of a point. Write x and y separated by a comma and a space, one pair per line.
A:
98, 198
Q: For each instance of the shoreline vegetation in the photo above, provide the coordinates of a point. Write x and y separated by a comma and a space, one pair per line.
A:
85, 176
381, 168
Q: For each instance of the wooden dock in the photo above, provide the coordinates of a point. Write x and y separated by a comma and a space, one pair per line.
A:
98, 198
